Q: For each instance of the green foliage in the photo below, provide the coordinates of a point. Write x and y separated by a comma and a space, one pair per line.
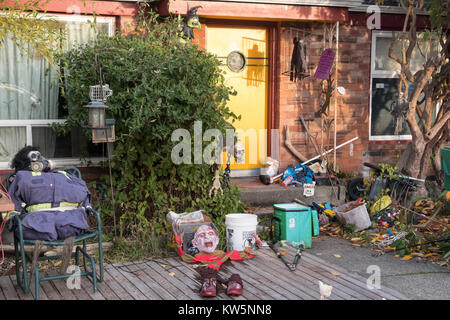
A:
33, 34
159, 85
404, 245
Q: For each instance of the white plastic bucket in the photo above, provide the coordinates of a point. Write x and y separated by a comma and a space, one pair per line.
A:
240, 228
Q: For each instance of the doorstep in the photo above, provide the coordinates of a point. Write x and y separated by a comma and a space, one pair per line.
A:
255, 193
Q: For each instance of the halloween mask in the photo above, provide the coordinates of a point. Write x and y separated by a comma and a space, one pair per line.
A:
205, 239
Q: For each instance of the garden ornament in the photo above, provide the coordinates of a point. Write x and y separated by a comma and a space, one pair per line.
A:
216, 184
192, 22
325, 290
205, 239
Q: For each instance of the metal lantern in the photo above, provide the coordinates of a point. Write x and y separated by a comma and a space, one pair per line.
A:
102, 129
97, 107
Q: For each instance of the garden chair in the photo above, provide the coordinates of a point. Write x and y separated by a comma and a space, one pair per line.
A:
22, 258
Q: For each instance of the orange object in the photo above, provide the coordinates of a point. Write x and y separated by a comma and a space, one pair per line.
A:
447, 196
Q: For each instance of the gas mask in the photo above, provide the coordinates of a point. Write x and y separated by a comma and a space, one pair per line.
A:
39, 163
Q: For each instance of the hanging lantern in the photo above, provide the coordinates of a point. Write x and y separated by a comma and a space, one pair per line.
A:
97, 107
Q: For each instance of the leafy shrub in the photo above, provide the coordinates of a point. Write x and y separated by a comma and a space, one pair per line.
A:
159, 85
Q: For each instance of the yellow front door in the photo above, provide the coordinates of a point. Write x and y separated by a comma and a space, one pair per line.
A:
233, 46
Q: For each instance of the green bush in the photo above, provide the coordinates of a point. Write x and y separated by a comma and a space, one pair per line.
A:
159, 85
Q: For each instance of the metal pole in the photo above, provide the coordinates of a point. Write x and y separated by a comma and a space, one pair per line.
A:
336, 94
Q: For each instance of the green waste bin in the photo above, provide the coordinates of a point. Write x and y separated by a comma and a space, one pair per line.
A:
295, 223
445, 164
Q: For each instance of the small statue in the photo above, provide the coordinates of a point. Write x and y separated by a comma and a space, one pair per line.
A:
216, 184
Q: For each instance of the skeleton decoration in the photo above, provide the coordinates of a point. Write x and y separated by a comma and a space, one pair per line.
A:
205, 239
216, 183
399, 110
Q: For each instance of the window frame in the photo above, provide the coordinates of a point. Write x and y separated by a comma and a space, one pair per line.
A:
384, 74
29, 124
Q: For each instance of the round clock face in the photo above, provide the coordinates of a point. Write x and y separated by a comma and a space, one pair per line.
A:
236, 61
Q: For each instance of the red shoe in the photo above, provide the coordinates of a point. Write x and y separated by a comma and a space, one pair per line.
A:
209, 288
234, 285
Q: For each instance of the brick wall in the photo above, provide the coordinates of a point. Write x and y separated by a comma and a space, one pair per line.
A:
302, 97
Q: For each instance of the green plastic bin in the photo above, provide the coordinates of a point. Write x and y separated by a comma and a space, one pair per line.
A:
295, 223
445, 164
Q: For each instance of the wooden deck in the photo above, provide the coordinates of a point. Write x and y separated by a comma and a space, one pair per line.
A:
265, 278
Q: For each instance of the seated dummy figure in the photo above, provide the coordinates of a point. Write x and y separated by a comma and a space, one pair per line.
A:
55, 202
204, 253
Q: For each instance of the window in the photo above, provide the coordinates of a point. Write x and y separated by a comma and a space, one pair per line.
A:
384, 82
29, 99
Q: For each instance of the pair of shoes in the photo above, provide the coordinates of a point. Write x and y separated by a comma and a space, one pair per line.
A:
234, 285
209, 285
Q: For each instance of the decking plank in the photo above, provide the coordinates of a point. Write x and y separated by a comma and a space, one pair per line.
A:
165, 283
277, 283
300, 279
264, 285
265, 278
304, 269
20, 293
8, 288
139, 271
138, 282
297, 283
187, 289
129, 286
115, 286
50, 290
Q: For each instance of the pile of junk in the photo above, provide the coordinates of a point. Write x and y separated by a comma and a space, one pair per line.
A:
196, 239
384, 208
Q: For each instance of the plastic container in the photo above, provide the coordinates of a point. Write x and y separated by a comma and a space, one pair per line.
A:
445, 164
240, 228
357, 216
295, 223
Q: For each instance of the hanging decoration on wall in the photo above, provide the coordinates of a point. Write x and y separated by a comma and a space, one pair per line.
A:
298, 61
325, 64
192, 22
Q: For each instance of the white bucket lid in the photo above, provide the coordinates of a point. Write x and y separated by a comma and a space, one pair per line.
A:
241, 218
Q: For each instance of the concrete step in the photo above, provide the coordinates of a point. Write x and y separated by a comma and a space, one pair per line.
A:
255, 193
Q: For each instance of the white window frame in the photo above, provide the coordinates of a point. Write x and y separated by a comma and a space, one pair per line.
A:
381, 74
29, 124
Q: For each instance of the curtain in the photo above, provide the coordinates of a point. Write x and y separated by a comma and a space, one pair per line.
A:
29, 90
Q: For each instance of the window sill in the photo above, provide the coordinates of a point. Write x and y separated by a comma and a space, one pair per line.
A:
64, 162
